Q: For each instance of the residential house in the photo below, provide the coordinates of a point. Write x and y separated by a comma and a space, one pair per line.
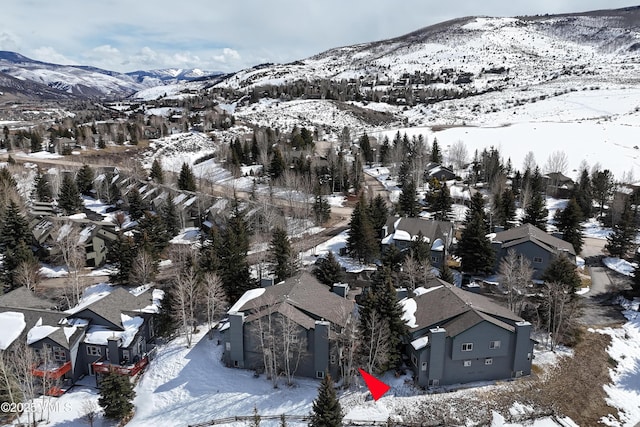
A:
459, 337
301, 311
439, 172
558, 185
110, 330
539, 247
401, 232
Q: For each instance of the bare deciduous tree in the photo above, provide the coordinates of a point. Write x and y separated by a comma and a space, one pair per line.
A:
515, 275
556, 162
21, 364
143, 269
529, 162
561, 310
28, 274
185, 295
348, 343
89, 411
458, 155
72, 254
377, 349
292, 346
214, 298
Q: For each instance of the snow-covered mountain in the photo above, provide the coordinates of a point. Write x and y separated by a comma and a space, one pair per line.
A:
477, 53
173, 75
77, 80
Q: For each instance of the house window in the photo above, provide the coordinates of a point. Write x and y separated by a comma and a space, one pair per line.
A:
537, 260
488, 361
236, 364
293, 338
227, 346
434, 383
468, 346
59, 354
467, 363
423, 366
414, 360
125, 355
333, 359
494, 344
435, 259
320, 374
92, 350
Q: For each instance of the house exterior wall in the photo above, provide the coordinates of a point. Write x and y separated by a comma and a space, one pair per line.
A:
444, 361
530, 251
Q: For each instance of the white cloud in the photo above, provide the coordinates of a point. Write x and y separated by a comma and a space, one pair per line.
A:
49, 54
228, 54
8, 41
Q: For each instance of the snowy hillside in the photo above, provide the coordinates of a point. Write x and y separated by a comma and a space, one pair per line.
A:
496, 52
78, 80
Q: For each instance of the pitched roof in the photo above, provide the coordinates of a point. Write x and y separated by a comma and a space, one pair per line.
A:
111, 306
301, 298
24, 298
528, 232
430, 228
456, 310
49, 318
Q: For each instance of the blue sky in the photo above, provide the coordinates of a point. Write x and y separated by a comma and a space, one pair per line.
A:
125, 35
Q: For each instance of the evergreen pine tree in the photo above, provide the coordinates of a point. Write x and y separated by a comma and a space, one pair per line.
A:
101, 142
329, 270
436, 155
186, 179
477, 206
367, 151
635, 280
568, 223
326, 411
282, 257
255, 150
277, 165
407, 203
379, 213
42, 191
385, 150
122, 252
137, 206
151, 234
170, 216
116, 396
583, 194
536, 213
508, 208
441, 203
624, 232
562, 270
156, 173
362, 243
321, 208
602, 185
208, 259
232, 248
474, 247
420, 248
69, 199
392, 258
84, 180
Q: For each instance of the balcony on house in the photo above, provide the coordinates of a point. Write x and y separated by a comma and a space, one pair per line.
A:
51, 370
130, 369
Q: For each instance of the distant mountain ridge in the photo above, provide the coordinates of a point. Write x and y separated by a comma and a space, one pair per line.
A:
53, 81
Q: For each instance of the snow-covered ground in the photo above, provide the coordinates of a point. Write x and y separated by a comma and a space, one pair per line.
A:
334, 245
619, 265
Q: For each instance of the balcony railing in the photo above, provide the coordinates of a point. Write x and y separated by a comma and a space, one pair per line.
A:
130, 370
51, 371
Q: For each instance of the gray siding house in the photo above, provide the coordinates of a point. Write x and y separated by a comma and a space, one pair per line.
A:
538, 247
299, 311
111, 332
459, 337
401, 232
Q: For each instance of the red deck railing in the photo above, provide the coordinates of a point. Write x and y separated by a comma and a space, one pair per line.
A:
54, 373
130, 370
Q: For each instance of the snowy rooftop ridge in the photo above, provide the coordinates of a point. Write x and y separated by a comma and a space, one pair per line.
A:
12, 326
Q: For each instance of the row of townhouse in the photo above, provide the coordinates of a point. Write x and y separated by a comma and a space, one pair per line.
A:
454, 336
111, 331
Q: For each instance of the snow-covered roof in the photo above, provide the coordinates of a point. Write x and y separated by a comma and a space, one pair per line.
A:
401, 235
420, 343
248, 296
409, 308
99, 335
39, 331
438, 245
422, 290
12, 326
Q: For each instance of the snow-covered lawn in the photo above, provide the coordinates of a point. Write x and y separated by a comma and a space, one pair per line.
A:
334, 245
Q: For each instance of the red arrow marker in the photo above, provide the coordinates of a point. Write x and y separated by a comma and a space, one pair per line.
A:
376, 387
